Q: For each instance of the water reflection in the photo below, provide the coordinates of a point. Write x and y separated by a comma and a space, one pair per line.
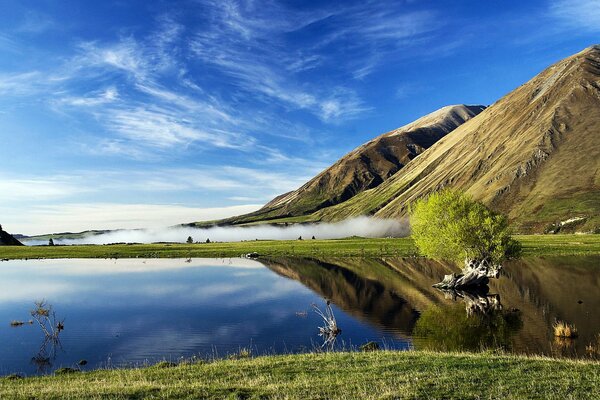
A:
482, 323
143, 311
515, 312
478, 301
44, 359
134, 311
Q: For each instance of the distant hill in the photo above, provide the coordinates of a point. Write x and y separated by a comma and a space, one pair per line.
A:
65, 235
6, 239
534, 154
365, 167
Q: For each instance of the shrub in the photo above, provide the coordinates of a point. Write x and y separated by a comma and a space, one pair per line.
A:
450, 225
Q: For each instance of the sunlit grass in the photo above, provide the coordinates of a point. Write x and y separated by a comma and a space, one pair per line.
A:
533, 245
365, 375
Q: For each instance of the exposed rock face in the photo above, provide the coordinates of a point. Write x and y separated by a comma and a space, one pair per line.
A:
534, 155
7, 239
367, 166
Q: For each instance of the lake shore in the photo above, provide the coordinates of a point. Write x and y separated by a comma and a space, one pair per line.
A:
533, 245
381, 374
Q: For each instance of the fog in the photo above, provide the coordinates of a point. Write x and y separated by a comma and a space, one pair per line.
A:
360, 226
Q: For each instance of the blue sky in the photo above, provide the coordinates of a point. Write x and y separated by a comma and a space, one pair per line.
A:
143, 114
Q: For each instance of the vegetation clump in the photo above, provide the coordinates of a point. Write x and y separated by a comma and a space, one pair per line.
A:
449, 225
66, 371
564, 330
370, 346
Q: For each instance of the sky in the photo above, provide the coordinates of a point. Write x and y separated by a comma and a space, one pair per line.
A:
142, 114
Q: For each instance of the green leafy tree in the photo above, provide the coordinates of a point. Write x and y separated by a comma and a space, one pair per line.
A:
190, 240
449, 225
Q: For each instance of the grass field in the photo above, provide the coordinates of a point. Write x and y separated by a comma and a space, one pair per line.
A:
533, 245
375, 375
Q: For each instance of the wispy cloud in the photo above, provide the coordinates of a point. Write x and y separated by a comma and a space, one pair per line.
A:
253, 51
85, 216
580, 14
96, 98
37, 189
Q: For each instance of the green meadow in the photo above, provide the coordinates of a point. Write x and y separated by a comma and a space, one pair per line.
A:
374, 375
533, 245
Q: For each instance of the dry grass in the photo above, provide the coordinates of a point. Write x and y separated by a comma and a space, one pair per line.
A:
564, 330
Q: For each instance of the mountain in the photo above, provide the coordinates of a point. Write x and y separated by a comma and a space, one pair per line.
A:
6, 239
365, 167
534, 154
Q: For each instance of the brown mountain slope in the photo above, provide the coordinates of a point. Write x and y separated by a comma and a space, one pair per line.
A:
534, 154
365, 167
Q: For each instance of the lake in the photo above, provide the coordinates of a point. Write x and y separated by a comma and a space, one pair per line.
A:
131, 312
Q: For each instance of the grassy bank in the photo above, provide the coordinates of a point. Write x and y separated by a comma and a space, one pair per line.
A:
329, 376
534, 245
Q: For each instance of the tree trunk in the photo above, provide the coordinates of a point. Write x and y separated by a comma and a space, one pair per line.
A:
475, 273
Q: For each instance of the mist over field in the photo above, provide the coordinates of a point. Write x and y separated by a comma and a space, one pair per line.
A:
360, 226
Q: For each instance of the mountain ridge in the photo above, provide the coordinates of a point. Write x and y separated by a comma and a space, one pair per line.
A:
555, 133
365, 167
533, 155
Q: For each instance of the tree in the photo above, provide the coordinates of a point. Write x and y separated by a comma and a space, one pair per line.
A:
207, 240
449, 225
190, 240
51, 242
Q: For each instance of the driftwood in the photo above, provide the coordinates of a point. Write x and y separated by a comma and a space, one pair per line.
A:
475, 273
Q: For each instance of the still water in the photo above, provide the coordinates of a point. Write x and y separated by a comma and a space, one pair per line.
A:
132, 312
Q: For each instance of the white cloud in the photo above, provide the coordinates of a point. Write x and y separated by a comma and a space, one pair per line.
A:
41, 219
126, 55
580, 14
21, 83
33, 189
249, 52
105, 96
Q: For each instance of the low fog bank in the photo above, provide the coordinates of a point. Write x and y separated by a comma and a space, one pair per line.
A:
361, 226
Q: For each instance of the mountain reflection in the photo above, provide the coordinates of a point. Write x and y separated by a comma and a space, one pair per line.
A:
515, 313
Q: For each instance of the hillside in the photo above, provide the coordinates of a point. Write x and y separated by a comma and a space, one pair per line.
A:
365, 167
534, 155
6, 239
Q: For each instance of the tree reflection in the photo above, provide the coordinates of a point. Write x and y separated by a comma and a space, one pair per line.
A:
46, 355
482, 323
44, 315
